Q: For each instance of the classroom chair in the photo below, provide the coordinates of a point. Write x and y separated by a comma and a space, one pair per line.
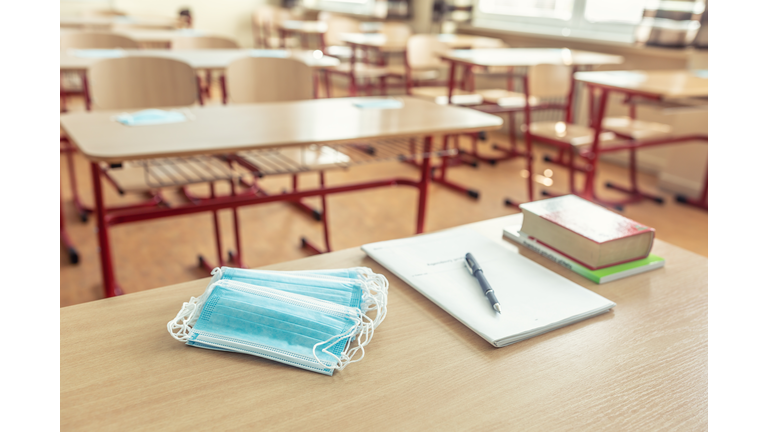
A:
264, 80
203, 42
550, 90
265, 22
423, 67
331, 40
73, 83
395, 30
136, 83
95, 40
362, 71
577, 141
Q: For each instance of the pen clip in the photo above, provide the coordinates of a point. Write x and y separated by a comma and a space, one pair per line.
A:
469, 269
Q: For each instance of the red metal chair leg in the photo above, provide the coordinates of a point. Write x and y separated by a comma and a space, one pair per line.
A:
441, 178
529, 164
636, 195
511, 152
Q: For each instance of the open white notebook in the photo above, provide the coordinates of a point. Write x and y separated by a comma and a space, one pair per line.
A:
533, 299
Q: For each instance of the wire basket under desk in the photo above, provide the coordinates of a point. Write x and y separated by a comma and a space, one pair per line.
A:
317, 157
148, 174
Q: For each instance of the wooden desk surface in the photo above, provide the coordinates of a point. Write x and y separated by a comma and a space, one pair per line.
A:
197, 58
154, 35
641, 367
110, 20
382, 43
531, 57
232, 128
664, 84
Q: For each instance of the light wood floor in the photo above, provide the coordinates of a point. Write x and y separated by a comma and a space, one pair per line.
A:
162, 252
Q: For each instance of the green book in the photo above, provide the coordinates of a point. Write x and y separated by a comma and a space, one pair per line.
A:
603, 275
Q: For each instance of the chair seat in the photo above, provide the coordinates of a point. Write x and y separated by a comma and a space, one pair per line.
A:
636, 129
362, 70
575, 135
506, 98
416, 74
339, 51
140, 176
295, 159
439, 95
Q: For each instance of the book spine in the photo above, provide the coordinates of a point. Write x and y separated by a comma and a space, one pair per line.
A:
559, 259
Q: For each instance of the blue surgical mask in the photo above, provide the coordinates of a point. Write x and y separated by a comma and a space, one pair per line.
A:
357, 287
294, 329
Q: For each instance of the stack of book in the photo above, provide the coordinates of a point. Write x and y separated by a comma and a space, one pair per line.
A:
586, 238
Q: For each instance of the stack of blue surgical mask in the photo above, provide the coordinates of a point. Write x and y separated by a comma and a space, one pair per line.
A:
315, 320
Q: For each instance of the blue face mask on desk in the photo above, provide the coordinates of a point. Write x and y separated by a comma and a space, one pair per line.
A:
294, 329
357, 287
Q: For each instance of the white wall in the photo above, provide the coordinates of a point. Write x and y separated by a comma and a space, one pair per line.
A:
230, 18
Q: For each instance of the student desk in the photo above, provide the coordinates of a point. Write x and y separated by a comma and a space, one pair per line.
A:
304, 29
109, 21
197, 58
381, 43
516, 57
203, 59
233, 128
676, 88
642, 366
154, 37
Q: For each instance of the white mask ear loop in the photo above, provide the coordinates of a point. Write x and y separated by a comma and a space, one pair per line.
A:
344, 360
366, 330
380, 285
180, 326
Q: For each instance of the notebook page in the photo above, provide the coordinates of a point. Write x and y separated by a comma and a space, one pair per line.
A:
533, 299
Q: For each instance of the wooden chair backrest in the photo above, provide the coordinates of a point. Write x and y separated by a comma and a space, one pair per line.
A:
549, 81
268, 79
396, 30
100, 13
265, 21
202, 42
95, 40
422, 51
141, 82
336, 26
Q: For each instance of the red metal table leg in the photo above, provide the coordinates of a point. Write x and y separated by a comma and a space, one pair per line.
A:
326, 235
426, 174
217, 234
72, 254
111, 288
703, 201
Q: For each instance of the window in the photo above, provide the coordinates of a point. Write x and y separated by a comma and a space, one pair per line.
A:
612, 20
558, 9
625, 11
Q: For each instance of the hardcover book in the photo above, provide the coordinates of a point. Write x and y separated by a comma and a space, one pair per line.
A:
586, 233
603, 275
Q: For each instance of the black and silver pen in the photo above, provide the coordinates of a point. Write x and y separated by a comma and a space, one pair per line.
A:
477, 272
